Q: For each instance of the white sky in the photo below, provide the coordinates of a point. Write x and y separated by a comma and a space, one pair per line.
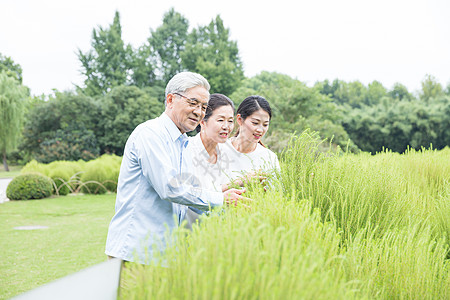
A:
385, 40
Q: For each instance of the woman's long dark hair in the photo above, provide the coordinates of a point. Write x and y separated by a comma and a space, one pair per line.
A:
250, 105
216, 101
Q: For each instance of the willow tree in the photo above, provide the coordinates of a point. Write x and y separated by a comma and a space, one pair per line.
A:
12, 107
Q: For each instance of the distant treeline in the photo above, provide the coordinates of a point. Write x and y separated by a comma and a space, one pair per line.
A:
124, 87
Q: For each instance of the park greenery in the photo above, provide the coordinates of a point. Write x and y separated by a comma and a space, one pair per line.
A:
97, 176
124, 86
363, 215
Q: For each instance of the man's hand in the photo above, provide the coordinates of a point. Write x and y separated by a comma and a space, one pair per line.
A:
233, 196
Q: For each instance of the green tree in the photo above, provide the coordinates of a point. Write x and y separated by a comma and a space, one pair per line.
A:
375, 91
401, 124
143, 68
430, 88
168, 42
62, 128
351, 94
108, 63
123, 109
210, 52
11, 68
12, 108
400, 92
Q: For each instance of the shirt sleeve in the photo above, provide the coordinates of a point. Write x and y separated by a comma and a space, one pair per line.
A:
153, 155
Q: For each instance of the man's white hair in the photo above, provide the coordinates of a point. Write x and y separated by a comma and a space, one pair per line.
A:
184, 81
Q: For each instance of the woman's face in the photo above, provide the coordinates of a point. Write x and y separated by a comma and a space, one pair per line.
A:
219, 125
255, 126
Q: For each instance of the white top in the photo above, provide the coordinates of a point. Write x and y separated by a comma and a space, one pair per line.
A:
209, 176
237, 164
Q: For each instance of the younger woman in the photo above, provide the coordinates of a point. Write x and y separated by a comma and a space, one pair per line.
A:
245, 152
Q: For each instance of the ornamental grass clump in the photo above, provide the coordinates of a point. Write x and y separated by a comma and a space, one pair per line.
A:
29, 186
65, 175
101, 175
35, 167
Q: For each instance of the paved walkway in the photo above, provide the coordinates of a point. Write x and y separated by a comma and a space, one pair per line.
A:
3, 185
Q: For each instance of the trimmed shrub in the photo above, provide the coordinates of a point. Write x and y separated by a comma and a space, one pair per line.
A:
29, 186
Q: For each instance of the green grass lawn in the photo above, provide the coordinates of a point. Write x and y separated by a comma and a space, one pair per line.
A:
75, 239
13, 171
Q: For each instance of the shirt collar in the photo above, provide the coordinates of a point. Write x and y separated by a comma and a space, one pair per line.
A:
172, 129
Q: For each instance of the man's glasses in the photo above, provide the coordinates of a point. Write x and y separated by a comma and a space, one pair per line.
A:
193, 102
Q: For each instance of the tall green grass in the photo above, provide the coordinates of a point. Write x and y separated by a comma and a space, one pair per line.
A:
334, 226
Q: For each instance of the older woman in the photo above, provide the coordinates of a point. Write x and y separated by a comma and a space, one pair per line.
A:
207, 156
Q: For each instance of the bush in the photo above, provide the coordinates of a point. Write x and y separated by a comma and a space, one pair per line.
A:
29, 186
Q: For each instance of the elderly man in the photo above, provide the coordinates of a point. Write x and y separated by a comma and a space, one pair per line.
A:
152, 188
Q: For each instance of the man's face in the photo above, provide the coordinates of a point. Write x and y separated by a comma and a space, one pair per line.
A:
187, 109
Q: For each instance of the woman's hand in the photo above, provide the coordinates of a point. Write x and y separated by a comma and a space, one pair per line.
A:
241, 181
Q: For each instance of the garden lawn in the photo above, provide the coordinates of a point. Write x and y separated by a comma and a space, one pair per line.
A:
13, 171
75, 239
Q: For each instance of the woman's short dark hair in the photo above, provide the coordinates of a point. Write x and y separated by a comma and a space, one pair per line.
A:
252, 104
216, 101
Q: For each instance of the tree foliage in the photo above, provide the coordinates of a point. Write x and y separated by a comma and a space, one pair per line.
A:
122, 110
107, 64
13, 98
11, 68
401, 124
353, 94
62, 128
170, 49
430, 88
168, 42
124, 86
210, 52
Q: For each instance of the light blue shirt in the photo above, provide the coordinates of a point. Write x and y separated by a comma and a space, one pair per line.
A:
154, 190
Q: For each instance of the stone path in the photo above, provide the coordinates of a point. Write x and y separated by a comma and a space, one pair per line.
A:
3, 185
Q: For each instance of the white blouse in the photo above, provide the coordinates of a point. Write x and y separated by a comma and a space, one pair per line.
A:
209, 176
236, 164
